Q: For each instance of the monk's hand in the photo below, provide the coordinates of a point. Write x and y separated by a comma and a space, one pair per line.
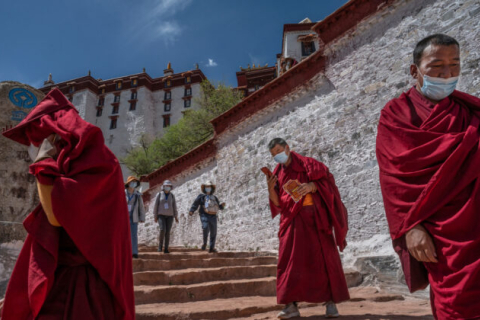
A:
176, 219
272, 182
306, 188
420, 244
190, 213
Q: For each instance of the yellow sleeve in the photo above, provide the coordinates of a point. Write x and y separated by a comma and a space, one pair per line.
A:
45, 193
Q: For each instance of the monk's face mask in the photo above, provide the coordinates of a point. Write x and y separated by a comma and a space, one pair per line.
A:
438, 88
32, 152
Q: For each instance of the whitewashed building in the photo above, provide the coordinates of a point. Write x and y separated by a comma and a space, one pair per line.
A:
128, 107
299, 42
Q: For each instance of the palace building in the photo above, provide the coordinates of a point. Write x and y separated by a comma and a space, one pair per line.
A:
126, 108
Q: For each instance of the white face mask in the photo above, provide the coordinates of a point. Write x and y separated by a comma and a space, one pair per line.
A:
438, 88
208, 189
167, 189
132, 184
33, 152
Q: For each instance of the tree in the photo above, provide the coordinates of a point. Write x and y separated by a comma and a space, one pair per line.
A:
191, 131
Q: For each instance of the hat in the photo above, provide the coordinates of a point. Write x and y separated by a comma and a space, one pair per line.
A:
208, 183
167, 183
130, 179
53, 101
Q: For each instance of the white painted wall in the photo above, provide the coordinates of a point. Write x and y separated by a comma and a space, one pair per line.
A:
131, 125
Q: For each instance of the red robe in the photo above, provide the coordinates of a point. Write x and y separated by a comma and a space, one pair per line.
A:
82, 270
309, 266
429, 160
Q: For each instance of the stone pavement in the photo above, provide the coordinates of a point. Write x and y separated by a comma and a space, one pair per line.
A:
192, 284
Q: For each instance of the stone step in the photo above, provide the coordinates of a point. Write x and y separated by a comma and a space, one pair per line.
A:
159, 265
213, 309
200, 255
143, 248
192, 276
206, 291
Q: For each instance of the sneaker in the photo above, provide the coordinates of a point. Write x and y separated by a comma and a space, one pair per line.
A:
166, 251
204, 247
331, 310
290, 311
212, 251
160, 249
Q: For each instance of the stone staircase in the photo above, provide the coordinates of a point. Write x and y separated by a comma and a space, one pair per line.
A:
193, 284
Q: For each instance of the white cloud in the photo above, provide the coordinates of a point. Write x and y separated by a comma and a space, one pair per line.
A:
211, 63
156, 21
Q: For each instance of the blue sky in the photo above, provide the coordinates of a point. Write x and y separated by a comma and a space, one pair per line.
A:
114, 38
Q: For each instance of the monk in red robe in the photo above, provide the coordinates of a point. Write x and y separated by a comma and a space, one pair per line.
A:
76, 261
313, 222
429, 156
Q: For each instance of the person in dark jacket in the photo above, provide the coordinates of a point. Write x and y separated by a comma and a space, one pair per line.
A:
165, 210
209, 207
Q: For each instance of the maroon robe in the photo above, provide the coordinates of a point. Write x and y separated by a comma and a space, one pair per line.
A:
429, 161
309, 266
82, 270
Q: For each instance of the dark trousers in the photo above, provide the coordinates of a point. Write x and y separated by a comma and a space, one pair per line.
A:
165, 223
209, 225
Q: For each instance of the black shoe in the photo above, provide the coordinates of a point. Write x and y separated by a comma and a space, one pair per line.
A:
135, 256
166, 251
212, 250
204, 247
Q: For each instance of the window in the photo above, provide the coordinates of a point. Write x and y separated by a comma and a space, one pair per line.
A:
133, 96
168, 95
134, 82
115, 110
168, 83
72, 89
113, 123
257, 87
188, 92
101, 102
188, 79
167, 107
102, 91
166, 121
118, 85
116, 99
133, 106
99, 112
187, 103
308, 48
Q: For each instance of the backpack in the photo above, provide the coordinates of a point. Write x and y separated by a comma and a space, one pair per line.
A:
211, 204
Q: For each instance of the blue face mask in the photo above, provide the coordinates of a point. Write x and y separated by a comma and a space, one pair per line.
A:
208, 190
438, 88
167, 189
282, 157
132, 185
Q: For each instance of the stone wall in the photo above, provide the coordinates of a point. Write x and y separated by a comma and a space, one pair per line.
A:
18, 196
332, 118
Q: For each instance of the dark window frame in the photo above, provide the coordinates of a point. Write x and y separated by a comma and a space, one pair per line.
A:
311, 47
113, 123
166, 121
165, 109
